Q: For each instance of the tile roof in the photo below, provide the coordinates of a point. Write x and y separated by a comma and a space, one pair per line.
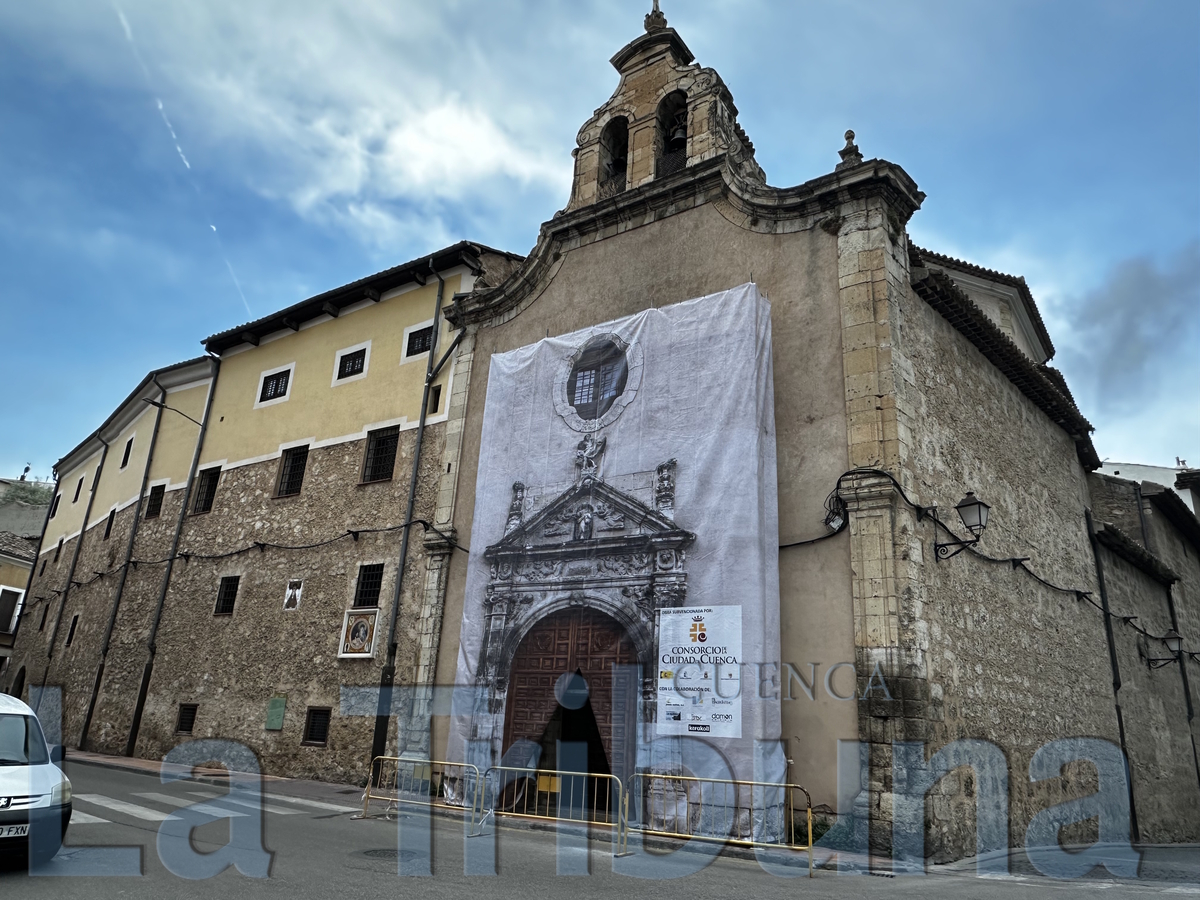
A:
1041, 384
17, 546
1017, 281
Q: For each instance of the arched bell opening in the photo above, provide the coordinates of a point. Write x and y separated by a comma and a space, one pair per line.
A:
671, 135
614, 157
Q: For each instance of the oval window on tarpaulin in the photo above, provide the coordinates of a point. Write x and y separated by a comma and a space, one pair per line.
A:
598, 377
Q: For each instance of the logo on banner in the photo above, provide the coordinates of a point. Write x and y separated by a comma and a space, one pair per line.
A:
697, 633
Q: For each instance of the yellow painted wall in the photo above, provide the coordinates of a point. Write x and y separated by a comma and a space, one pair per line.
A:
177, 436
69, 518
316, 408
13, 575
120, 485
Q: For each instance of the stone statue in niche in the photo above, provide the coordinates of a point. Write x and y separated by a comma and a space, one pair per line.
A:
516, 509
587, 455
664, 486
583, 524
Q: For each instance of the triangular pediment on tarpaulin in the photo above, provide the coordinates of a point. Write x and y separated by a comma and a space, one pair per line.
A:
591, 516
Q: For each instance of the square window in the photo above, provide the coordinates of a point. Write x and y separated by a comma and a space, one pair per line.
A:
275, 386
128, 449
154, 504
291, 471
351, 364
316, 726
381, 454
370, 583
187, 718
206, 490
420, 340
227, 595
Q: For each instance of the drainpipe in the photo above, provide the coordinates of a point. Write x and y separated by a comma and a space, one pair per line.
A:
387, 677
1116, 671
137, 521
151, 645
36, 559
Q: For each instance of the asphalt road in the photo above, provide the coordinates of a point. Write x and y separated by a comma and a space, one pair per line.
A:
317, 850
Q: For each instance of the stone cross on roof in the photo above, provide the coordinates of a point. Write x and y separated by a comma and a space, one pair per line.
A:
655, 19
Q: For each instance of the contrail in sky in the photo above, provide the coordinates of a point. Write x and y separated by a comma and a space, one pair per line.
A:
178, 149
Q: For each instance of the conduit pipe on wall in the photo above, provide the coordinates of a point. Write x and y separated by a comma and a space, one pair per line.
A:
151, 645
116, 604
387, 677
1135, 834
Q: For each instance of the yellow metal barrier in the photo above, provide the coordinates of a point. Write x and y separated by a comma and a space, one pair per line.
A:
746, 813
427, 782
583, 797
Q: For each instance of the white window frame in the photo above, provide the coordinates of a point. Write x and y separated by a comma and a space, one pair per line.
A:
264, 375
404, 357
16, 609
337, 364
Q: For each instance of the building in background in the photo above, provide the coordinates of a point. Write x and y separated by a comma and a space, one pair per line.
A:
23, 506
1185, 480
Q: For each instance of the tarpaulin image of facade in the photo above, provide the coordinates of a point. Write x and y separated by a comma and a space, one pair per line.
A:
624, 581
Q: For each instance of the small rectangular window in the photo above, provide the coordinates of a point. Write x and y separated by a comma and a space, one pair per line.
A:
187, 718
43, 572
71, 632
112, 517
54, 505
370, 583
316, 726
275, 386
128, 450
78, 488
206, 489
291, 471
154, 504
381, 454
420, 340
352, 363
227, 595
45, 613
8, 609
435, 399
58, 549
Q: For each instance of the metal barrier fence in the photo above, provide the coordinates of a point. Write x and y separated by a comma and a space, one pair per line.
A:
427, 782
745, 813
584, 797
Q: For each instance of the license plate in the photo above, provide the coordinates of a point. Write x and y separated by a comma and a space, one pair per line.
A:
12, 831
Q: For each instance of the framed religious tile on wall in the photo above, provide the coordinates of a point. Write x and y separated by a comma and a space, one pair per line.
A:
358, 633
291, 597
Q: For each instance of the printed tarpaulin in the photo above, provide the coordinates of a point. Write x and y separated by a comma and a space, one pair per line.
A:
623, 582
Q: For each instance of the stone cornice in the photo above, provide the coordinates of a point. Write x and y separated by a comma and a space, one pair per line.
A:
758, 208
1175, 510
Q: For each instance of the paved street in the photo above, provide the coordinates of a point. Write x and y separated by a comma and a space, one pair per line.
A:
319, 850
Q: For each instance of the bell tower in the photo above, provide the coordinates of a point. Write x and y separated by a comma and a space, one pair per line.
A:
667, 113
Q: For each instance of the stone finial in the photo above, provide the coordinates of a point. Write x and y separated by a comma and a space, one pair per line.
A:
655, 20
849, 154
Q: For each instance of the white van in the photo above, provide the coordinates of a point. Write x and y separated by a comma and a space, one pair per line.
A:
33, 790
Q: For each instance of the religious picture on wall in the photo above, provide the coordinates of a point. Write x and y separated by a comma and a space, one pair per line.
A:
358, 633
291, 597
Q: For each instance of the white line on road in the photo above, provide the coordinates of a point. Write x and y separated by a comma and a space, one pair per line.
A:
129, 809
250, 804
217, 812
82, 818
317, 804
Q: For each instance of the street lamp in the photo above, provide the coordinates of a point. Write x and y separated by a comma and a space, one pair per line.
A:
1174, 643
161, 405
974, 515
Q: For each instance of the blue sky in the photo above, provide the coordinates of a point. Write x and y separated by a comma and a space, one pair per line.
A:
323, 141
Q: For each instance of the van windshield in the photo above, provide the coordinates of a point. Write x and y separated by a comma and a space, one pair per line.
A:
21, 741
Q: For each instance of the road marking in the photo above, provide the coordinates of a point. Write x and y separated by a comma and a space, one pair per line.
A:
129, 809
317, 804
250, 804
217, 812
82, 818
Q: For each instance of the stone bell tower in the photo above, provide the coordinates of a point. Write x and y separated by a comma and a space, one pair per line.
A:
666, 114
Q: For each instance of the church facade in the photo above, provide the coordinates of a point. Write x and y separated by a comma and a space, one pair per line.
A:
570, 515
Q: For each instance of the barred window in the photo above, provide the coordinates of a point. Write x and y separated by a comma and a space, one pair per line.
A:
370, 583
316, 726
352, 363
420, 341
597, 379
291, 471
154, 504
275, 386
187, 718
206, 489
381, 454
227, 595
58, 549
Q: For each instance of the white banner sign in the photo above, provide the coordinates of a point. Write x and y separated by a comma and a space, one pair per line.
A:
699, 671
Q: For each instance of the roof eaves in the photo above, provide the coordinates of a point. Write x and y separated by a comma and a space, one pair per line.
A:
1171, 505
1134, 553
1017, 281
